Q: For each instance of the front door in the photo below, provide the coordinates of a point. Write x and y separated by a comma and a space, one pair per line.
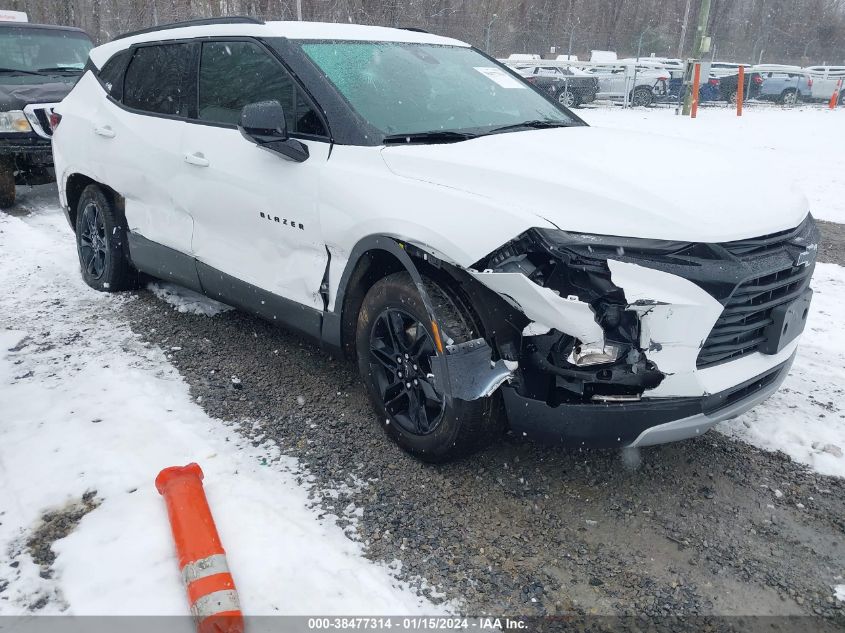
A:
256, 215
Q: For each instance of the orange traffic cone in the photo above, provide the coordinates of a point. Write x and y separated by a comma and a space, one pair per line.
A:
211, 590
834, 98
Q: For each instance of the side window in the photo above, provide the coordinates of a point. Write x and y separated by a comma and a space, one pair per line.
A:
234, 74
160, 79
112, 74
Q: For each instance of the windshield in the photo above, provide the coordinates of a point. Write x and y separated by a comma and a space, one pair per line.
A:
29, 50
402, 88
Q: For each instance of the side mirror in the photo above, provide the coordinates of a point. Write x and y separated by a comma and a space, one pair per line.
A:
264, 124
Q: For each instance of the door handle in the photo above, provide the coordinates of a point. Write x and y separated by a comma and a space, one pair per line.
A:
104, 131
197, 158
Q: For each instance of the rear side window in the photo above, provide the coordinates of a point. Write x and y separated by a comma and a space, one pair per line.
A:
111, 74
160, 79
235, 74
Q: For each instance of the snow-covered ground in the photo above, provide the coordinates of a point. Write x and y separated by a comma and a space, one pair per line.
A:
808, 141
84, 406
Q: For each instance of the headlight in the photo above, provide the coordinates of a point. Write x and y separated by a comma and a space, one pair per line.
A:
14, 121
608, 245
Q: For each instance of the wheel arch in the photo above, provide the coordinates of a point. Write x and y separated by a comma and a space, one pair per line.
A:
376, 257
76, 183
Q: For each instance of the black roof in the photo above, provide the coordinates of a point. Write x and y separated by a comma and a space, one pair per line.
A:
30, 25
226, 19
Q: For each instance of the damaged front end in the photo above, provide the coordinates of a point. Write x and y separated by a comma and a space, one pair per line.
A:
582, 344
629, 341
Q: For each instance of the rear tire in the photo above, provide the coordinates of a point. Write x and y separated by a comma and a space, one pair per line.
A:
641, 97
100, 243
394, 342
7, 183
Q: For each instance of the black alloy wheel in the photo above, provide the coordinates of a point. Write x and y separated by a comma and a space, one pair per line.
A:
396, 347
101, 242
93, 249
400, 361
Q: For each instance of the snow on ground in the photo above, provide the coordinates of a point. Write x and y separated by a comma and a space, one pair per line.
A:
807, 141
85, 406
840, 592
804, 418
185, 300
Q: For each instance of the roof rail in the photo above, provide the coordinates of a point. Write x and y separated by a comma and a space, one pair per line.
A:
415, 29
228, 19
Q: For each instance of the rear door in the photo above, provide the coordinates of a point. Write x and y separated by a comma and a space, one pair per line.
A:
136, 136
256, 215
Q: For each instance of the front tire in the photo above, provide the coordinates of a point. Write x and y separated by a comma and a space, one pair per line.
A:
789, 98
100, 238
395, 342
7, 183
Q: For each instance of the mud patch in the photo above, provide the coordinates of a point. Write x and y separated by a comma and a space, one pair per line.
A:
55, 525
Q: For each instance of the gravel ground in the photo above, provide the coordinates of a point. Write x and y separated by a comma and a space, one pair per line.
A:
832, 248
709, 526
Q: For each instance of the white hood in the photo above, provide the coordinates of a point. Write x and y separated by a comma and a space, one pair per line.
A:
612, 182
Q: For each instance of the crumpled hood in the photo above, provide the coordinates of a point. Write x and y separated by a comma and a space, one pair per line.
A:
16, 96
613, 182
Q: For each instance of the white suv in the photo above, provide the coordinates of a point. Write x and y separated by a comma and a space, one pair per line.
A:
490, 260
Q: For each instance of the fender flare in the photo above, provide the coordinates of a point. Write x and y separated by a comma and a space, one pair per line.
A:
331, 332
464, 371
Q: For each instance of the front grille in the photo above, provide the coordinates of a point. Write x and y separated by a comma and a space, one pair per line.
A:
740, 328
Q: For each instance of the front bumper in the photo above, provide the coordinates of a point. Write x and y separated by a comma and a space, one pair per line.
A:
31, 158
632, 424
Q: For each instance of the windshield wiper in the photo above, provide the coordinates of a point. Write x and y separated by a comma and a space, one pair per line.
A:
21, 71
60, 69
532, 125
434, 136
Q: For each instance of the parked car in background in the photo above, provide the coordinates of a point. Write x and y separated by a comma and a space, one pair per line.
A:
674, 66
787, 85
725, 69
826, 80
38, 66
708, 91
750, 90
570, 86
642, 84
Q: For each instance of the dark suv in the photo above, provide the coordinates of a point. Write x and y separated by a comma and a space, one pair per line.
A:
39, 64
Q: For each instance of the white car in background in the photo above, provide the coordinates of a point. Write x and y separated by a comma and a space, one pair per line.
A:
488, 259
638, 83
826, 80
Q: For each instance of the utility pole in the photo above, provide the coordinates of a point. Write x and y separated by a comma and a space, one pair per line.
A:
700, 39
299, 10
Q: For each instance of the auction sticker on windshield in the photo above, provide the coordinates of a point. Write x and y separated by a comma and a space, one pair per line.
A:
499, 76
